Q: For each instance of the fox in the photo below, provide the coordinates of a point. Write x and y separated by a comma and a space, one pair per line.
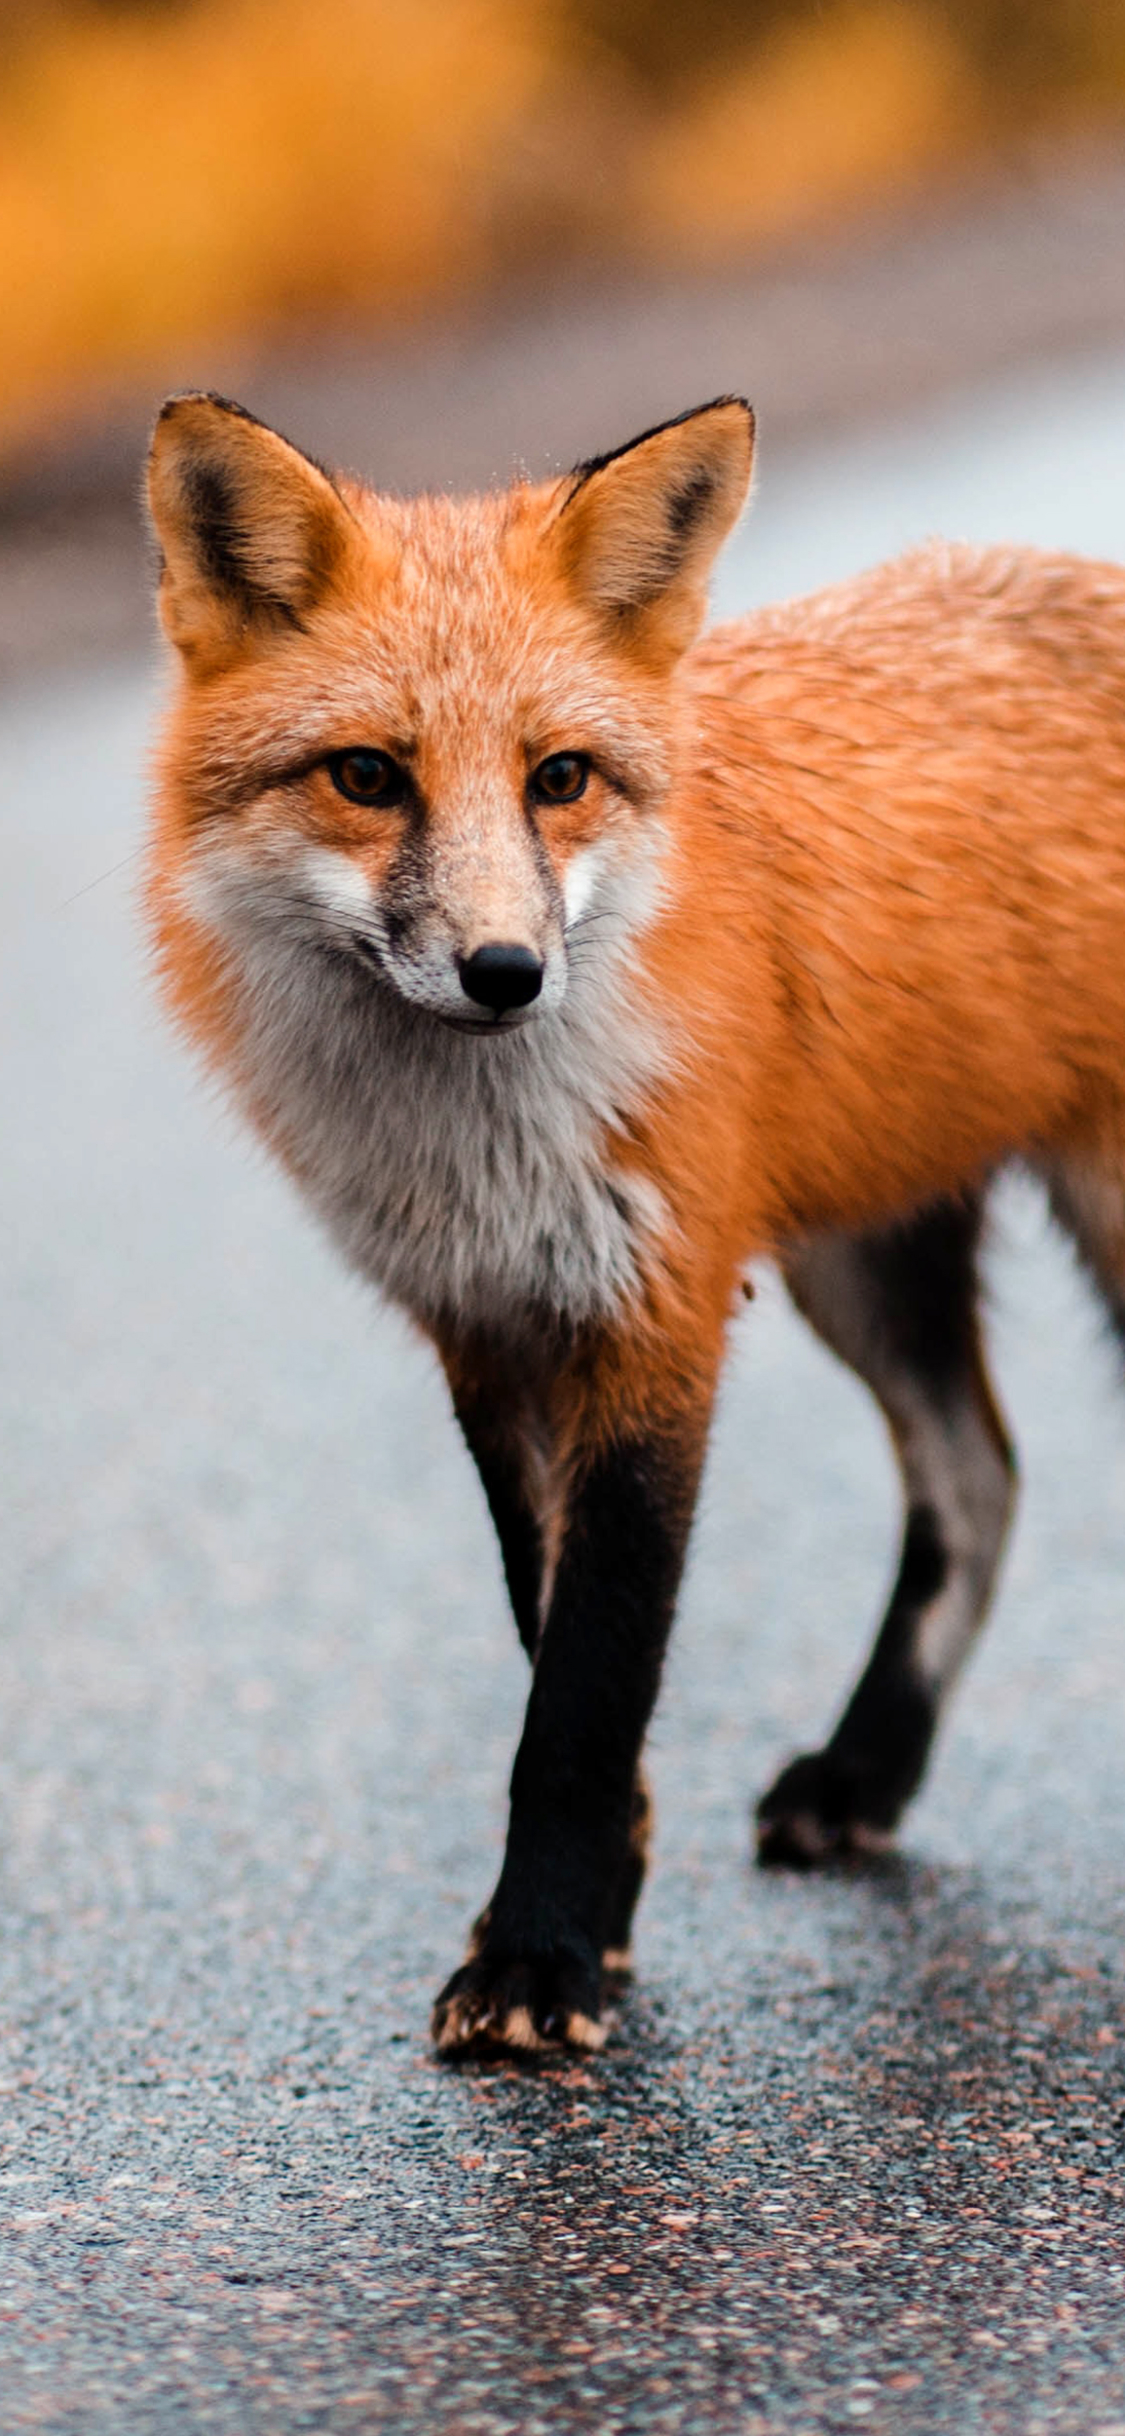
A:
571, 959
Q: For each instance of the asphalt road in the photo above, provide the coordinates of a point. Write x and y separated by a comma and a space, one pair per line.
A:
855, 2154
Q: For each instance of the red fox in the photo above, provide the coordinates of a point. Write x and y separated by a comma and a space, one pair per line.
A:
569, 963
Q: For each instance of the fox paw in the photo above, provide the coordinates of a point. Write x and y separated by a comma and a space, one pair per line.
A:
617, 1960
816, 1811
502, 2006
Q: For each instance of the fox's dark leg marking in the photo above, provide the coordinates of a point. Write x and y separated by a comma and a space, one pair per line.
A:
901, 1307
616, 1954
565, 1890
1088, 1198
501, 1455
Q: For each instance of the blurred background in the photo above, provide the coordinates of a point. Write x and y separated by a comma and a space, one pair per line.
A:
436, 237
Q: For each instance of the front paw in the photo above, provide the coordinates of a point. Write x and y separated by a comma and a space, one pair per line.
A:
501, 2004
817, 1809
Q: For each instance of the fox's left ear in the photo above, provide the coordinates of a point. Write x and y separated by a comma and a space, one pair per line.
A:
250, 530
639, 530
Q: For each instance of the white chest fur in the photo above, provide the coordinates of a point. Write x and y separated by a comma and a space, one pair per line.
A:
468, 1176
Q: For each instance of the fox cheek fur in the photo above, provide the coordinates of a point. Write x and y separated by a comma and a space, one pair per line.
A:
825, 922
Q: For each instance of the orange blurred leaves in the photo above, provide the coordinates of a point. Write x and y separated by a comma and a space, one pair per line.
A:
171, 178
176, 177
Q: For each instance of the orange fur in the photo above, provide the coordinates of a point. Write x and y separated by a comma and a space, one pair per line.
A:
894, 929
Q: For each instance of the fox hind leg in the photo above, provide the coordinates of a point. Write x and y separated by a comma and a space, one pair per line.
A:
900, 1307
1087, 1193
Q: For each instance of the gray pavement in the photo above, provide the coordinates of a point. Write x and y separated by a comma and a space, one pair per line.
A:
856, 2152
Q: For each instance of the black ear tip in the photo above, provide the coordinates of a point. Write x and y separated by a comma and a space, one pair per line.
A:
733, 398
590, 466
180, 398
186, 398
749, 424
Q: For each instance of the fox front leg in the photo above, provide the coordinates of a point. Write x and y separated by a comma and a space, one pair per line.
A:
535, 1979
502, 1439
508, 1444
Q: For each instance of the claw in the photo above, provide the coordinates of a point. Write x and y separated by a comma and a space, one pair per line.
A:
512, 2007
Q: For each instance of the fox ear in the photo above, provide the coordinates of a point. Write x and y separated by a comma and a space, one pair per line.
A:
249, 529
639, 530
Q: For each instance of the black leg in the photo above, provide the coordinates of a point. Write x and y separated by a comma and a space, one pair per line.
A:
535, 1979
501, 1453
499, 1449
616, 1951
900, 1308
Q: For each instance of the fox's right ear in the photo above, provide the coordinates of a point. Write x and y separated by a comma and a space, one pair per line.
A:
249, 529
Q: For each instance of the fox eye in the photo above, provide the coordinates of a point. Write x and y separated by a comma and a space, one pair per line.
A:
367, 777
561, 779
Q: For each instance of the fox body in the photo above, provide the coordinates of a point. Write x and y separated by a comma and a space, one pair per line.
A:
570, 962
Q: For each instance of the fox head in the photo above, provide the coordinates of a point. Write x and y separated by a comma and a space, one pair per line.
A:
433, 735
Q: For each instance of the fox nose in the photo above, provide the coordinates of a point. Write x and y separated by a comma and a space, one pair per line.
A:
501, 976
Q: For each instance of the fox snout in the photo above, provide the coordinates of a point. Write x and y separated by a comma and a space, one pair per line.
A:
501, 976
473, 937
481, 982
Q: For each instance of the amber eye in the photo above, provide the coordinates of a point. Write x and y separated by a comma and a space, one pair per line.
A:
367, 777
561, 779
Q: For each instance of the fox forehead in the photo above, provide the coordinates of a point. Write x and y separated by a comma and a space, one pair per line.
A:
444, 637
445, 590
310, 613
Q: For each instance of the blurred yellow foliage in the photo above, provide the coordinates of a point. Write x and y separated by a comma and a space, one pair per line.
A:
173, 177
850, 106
180, 173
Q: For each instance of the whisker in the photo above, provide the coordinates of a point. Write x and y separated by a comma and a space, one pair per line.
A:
102, 877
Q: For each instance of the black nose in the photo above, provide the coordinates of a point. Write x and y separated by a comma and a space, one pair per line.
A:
501, 976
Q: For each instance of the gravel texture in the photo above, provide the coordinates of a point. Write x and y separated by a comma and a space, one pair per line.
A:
855, 2155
